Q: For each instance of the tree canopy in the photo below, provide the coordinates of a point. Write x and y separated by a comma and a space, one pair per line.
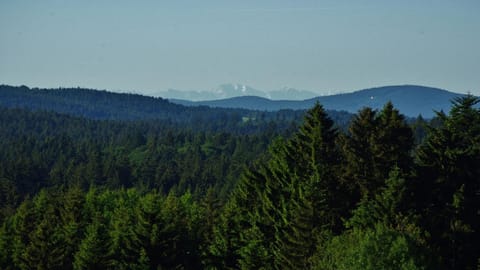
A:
78, 193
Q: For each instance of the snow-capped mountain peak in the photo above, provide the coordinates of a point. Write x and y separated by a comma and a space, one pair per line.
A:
237, 90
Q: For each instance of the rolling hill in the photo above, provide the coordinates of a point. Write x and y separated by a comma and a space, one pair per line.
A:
411, 100
104, 105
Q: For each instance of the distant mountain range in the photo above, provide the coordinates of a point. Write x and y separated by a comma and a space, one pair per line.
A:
411, 100
237, 90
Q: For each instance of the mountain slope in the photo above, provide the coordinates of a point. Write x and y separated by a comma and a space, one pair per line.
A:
411, 100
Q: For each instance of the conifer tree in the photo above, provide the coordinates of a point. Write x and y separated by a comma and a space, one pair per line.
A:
394, 141
124, 250
387, 207
6, 245
448, 184
95, 249
294, 194
71, 222
223, 252
374, 145
359, 173
380, 247
46, 249
173, 235
147, 228
254, 254
23, 224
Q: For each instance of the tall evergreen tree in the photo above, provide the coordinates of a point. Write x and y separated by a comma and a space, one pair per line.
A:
121, 231
6, 245
387, 207
293, 194
147, 228
95, 249
359, 173
448, 184
71, 221
374, 145
23, 223
46, 249
394, 142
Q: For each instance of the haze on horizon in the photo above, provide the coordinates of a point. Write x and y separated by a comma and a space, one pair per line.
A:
321, 46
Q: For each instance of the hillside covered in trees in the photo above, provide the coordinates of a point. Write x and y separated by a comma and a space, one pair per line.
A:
80, 192
104, 105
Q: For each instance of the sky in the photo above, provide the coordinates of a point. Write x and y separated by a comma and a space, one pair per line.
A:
148, 46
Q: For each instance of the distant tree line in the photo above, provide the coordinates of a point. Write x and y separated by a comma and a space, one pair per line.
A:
103, 105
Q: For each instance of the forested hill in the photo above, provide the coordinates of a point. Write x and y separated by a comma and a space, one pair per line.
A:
96, 104
411, 100
78, 193
84, 194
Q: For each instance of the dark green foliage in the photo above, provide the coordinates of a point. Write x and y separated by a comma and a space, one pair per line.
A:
94, 104
223, 252
375, 144
384, 208
83, 194
379, 247
358, 151
8, 197
6, 245
121, 229
95, 249
50, 150
448, 184
281, 203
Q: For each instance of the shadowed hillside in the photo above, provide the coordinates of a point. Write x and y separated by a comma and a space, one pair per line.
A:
412, 100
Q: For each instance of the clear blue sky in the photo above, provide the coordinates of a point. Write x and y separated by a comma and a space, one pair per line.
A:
322, 46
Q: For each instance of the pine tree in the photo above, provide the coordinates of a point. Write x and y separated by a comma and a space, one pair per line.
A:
374, 145
317, 162
149, 221
47, 244
359, 173
380, 247
9, 197
314, 196
254, 254
295, 240
124, 250
6, 245
296, 192
95, 249
71, 222
223, 252
387, 207
210, 209
394, 141
173, 238
24, 222
448, 184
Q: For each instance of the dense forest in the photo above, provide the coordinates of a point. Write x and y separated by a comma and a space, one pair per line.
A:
103, 105
372, 192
